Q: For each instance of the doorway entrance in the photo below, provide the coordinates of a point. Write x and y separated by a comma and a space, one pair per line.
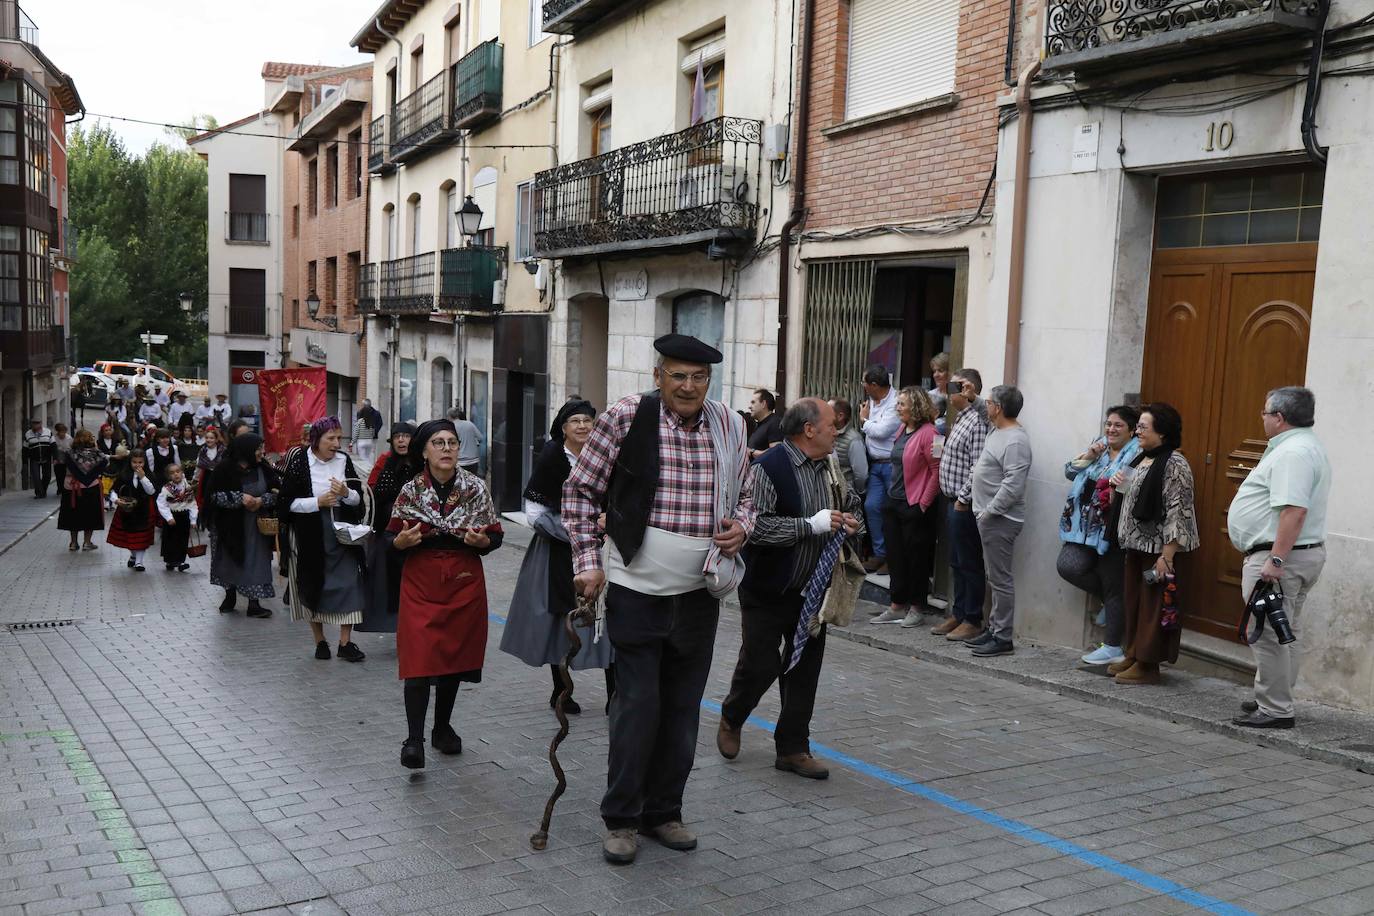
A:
1227, 322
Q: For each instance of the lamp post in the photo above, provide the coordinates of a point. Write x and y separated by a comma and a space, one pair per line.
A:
312, 308
186, 301
469, 218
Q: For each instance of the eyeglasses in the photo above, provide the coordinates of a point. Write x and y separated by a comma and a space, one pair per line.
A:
696, 378
1270, 413
444, 445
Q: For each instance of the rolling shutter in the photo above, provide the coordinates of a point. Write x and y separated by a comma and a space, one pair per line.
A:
900, 52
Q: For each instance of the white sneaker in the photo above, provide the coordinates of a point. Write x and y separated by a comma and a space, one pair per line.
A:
891, 615
1104, 655
913, 618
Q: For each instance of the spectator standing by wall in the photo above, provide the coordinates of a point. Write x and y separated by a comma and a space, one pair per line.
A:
849, 447
879, 422
961, 452
1278, 520
38, 455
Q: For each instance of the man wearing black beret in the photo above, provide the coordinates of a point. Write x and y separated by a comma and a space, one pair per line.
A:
668, 469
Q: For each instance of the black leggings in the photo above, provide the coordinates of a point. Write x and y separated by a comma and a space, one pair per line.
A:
417, 702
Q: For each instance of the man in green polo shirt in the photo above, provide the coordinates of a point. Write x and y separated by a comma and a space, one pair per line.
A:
1278, 521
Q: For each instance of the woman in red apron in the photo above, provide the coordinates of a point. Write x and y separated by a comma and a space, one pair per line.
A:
444, 523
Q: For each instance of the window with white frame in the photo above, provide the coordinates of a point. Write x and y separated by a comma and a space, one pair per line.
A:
524, 221
537, 33
901, 52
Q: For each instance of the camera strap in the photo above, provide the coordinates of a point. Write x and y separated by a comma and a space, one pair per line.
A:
1261, 588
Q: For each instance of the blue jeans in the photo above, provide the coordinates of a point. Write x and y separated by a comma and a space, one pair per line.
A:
879, 479
966, 559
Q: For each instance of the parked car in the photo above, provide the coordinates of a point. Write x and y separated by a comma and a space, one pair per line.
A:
155, 378
95, 387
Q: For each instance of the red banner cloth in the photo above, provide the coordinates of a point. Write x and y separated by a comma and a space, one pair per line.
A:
289, 399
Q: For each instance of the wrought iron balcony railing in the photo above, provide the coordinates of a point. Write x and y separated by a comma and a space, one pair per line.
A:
568, 17
16, 24
1097, 34
695, 186
418, 119
407, 285
467, 278
378, 148
245, 227
367, 289
476, 89
250, 320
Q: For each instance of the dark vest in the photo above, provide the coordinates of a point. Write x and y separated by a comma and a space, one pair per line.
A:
634, 480
769, 570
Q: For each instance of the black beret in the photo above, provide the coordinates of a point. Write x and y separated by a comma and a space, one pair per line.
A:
687, 349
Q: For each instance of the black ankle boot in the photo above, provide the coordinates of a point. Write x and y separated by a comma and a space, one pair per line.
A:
413, 754
445, 740
231, 597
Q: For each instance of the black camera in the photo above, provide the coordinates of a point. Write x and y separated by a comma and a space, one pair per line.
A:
1266, 603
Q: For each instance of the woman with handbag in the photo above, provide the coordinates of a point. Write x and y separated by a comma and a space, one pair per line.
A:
1090, 558
325, 576
1157, 521
83, 504
133, 527
544, 591
443, 522
908, 510
240, 501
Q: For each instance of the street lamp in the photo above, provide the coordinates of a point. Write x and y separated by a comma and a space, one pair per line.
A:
186, 302
469, 218
312, 305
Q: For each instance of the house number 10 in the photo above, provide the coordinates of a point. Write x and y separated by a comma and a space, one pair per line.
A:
1220, 135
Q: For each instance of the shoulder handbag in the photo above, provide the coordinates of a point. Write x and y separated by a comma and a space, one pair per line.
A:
837, 609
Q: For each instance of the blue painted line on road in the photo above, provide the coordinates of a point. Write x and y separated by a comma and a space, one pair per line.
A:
1064, 847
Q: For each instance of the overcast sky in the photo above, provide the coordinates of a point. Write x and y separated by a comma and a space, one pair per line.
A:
165, 60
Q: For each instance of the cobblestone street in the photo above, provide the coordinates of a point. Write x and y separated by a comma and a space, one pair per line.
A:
159, 757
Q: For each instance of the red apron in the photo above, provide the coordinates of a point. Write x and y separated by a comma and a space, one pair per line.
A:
442, 624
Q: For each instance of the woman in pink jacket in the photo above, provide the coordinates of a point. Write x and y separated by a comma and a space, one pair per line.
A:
908, 514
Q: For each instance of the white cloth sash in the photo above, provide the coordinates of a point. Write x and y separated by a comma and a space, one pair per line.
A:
666, 564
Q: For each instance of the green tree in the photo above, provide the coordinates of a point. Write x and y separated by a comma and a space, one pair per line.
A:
143, 223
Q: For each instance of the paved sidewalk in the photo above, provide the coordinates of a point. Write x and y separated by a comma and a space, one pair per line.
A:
158, 757
20, 513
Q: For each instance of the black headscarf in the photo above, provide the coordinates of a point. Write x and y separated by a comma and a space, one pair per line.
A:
1149, 504
551, 468
394, 474
404, 428
228, 473
427, 430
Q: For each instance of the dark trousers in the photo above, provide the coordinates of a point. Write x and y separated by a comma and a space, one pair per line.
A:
768, 623
910, 536
59, 477
1101, 575
40, 475
176, 535
663, 648
966, 558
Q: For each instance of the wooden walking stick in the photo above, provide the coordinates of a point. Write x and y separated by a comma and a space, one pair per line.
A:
582, 615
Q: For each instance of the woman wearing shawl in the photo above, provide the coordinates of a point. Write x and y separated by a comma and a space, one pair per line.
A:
241, 488
443, 522
206, 460
1157, 521
389, 474
82, 508
544, 592
133, 527
326, 577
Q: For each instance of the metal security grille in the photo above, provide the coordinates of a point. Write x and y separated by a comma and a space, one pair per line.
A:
839, 313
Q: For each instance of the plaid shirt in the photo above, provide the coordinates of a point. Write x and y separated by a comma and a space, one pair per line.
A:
962, 448
686, 480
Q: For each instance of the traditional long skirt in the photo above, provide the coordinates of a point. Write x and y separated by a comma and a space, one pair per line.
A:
175, 537
543, 597
81, 510
342, 595
442, 625
133, 530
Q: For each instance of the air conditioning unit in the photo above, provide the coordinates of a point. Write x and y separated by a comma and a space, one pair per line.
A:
710, 183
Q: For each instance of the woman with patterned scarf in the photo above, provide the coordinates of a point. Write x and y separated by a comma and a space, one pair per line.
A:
444, 522
82, 506
544, 591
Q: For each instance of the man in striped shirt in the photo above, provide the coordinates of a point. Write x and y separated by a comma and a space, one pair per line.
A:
798, 514
656, 464
963, 446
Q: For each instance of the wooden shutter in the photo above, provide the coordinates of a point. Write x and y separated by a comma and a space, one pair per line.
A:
900, 52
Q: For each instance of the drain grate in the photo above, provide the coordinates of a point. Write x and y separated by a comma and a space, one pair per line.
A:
38, 624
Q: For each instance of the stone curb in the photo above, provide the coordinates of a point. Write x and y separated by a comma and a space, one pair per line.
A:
1323, 733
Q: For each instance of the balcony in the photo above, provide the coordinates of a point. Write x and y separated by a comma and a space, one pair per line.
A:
15, 24
367, 290
406, 285
245, 227
476, 89
1095, 36
419, 121
692, 188
467, 279
248, 320
341, 105
571, 17
379, 149
26, 349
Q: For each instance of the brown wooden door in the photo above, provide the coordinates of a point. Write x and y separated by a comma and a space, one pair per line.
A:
1225, 326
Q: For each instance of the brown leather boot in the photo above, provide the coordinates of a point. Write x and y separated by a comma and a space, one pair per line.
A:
962, 632
1139, 673
945, 626
802, 764
727, 740
1124, 665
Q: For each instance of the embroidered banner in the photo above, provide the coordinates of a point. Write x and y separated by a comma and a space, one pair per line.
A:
290, 399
